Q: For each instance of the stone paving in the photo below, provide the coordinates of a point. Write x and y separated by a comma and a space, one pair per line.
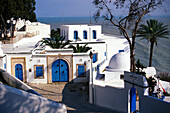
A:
73, 95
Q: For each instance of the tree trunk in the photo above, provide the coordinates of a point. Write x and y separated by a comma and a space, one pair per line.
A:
1, 31
132, 60
151, 53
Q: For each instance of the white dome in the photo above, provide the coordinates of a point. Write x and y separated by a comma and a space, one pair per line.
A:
119, 62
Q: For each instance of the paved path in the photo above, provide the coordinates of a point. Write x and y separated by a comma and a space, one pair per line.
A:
72, 95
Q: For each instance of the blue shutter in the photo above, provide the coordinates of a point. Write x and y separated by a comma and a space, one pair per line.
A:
81, 70
4, 65
39, 71
75, 35
85, 34
94, 58
94, 34
121, 51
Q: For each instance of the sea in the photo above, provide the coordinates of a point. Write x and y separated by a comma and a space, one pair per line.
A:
161, 53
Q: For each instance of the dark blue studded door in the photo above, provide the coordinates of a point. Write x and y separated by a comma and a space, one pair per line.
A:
19, 71
60, 71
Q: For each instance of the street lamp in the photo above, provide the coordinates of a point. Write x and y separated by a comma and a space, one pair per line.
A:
91, 57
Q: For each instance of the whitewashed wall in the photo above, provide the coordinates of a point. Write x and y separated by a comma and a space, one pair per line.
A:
37, 60
81, 58
114, 44
38, 28
80, 28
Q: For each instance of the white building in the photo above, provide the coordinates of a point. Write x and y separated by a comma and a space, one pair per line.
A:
35, 64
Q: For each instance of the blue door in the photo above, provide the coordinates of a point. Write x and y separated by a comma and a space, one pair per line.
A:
60, 71
19, 71
132, 99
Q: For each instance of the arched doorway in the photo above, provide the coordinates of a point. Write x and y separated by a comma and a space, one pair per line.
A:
60, 71
19, 71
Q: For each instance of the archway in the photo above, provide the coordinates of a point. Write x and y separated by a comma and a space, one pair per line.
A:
19, 71
60, 71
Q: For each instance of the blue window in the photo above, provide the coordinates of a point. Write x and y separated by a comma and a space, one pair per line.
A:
121, 51
84, 34
4, 65
94, 34
75, 35
81, 70
94, 57
39, 71
104, 53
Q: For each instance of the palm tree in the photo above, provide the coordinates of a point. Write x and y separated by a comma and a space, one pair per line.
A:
80, 49
56, 42
152, 32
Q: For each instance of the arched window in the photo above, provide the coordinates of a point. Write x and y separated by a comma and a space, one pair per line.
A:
94, 34
84, 34
75, 35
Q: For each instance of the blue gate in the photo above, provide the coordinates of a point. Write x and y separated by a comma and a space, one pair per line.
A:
60, 71
132, 99
19, 71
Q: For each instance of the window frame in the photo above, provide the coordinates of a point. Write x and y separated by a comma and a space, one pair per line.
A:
77, 70
35, 72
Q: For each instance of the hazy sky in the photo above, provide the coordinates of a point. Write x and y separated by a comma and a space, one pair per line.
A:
76, 8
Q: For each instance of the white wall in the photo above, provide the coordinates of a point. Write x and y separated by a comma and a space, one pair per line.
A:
80, 28
81, 58
17, 101
114, 44
37, 60
111, 97
38, 28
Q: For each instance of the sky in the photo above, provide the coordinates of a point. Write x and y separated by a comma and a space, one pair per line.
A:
77, 8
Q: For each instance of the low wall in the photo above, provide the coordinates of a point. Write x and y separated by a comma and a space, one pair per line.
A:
153, 105
17, 101
112, 98
16, 83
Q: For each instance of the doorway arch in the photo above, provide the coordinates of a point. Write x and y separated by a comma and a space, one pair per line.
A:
60, 71
19, 71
